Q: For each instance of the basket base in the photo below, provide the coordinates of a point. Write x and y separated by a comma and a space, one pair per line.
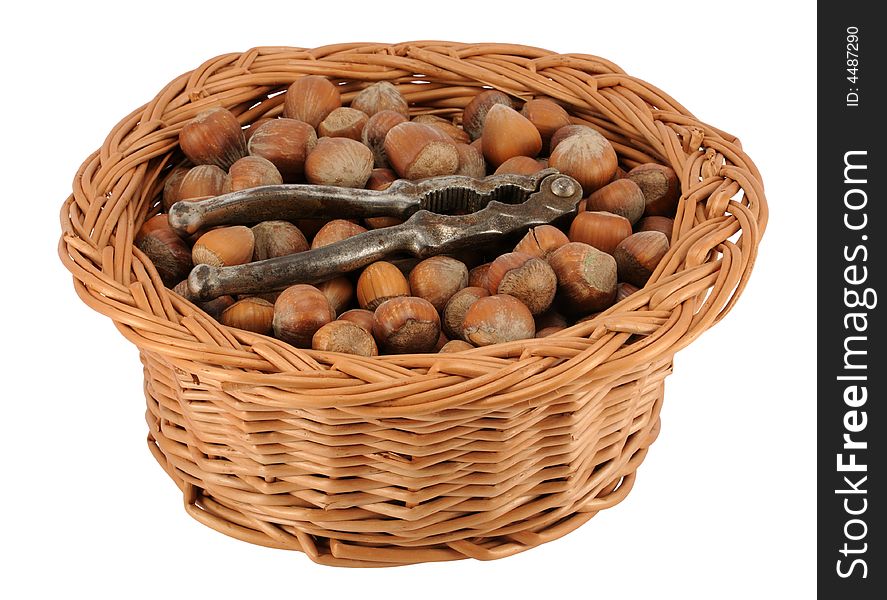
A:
185, 460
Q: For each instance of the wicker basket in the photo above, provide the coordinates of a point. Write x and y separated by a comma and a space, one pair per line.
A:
404, 459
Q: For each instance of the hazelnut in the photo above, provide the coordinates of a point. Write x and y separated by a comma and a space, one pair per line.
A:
339, 291
168, 253
586, 277
663, 224
471, 162
341, 162
565, 132
378, 282
286, 143
213, 137
436, 279
380, 179
216, 306
550, 318
249, 131
455, 346
498, 319
252, 171
417, 151
660, 187
343, 122
250, 314
442, 340
477, 277
541, 241
202, 181
378, 97
374, 132
520, 165
335, 231
602, 230
624, 290
508, 133
299, 312
588, 158
277, 238
621, 197
638, 255
547, 331
459, 136
360, 317
406, 325
547, 116
224, 247
474, 114
345, 337
310, 99
172, 185
454, 311
528, 278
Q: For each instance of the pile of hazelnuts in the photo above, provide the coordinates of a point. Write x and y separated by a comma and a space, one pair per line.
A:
555, 276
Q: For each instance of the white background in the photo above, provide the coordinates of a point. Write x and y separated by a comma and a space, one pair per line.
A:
724, 503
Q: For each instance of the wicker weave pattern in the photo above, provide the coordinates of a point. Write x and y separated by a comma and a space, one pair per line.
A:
403, 459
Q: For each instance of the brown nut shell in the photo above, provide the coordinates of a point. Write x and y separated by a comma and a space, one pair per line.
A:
475, 112
252, 171
310, 99
406, 325
345, 337
213, 137
378, 97
453, 314
341, 162
498, 319
603, 230
547, 116
299, 312
277, 238
660, 187
528, 278
477, 276
471, 162
172, 185
588, 158
567, 131
638, 255
508, 133
378, 282
250, 314
335, 231
417, 151
456, 133
286, 143
343, 122
360, 317
520, 165
663, 224
621, 197
168, 253
202, 181
541, 241
624, 290
375, 131
224, 247
455, 346
586, 277
436, 279
339, 291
